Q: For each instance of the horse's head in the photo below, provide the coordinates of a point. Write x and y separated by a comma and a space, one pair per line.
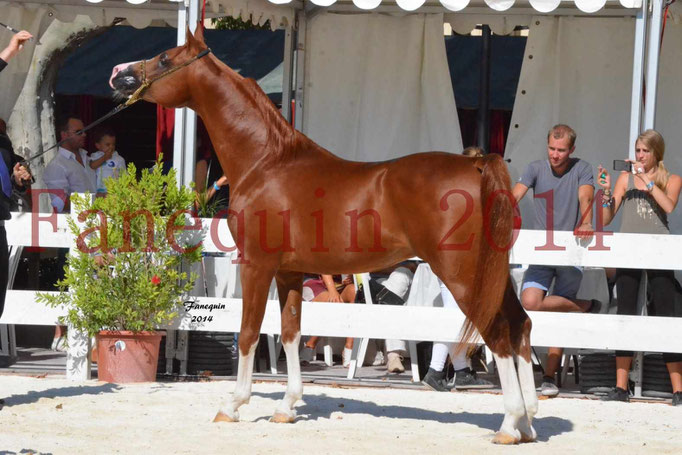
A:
165, 76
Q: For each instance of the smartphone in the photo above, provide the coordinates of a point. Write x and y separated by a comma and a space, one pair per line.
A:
622, 165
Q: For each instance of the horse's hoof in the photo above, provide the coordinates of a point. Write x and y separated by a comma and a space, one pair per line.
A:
280, 417
528, 437
504, 438
528, 433
222, 417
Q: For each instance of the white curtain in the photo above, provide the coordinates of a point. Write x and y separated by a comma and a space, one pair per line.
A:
35, 20
378, 87
669, 107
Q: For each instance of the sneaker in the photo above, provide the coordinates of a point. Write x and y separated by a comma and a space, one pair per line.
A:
395, 363
677, 399
345, 356
56, 342
548, 387
435, 380
617, 394
379, 359
306, 355
60, 345
598, 307
5, 361
467, 378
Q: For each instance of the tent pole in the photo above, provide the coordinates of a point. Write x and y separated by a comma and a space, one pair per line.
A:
637, 77
653, 54
189, 159
184, 139
483, 116
288, 71
300, 67
179, 127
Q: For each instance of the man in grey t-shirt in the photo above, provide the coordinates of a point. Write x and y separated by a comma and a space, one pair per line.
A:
563, 190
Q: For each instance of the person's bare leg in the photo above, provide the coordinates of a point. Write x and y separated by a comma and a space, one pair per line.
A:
535, 299
675, 370
623, 371
564, 305
348, 296
553, 361
312, 342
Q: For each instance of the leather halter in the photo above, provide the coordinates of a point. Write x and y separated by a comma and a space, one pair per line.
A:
146, 83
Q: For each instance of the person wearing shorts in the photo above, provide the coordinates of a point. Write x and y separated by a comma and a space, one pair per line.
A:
563, 190
327, 288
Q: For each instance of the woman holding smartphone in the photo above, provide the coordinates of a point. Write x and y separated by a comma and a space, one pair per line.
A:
646, 196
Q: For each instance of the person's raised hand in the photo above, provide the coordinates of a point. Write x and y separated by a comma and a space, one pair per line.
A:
603, 178
18, 40
21, 174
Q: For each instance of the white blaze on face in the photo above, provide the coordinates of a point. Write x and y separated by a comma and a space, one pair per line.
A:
117, 69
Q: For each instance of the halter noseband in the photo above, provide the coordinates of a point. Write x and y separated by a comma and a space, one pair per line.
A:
146, 83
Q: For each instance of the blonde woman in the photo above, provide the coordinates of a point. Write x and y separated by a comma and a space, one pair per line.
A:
646, 196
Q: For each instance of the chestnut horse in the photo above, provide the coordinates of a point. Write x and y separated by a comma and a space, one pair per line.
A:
295, 208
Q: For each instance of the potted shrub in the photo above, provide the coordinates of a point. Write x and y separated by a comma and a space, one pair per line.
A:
123, 280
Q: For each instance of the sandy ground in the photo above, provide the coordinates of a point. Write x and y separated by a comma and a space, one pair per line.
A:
53, 415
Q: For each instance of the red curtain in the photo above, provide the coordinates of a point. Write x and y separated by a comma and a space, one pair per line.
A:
165, 122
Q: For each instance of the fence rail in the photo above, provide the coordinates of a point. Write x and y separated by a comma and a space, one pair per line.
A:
412, 323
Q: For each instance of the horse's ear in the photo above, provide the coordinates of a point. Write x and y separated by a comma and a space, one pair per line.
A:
189, 38
199, 32
196, 40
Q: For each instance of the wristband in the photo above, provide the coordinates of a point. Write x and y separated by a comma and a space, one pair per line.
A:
650, 186
216, 186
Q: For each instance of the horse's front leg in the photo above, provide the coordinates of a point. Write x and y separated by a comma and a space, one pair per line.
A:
255, 285
289, 285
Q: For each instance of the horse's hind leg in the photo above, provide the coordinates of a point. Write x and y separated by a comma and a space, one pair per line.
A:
527, 382
514, 407
289, 289
255, 286
512, 326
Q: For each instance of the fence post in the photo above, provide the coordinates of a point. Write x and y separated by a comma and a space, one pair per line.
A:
78, 351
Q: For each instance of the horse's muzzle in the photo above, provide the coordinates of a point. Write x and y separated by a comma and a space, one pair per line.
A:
124, 81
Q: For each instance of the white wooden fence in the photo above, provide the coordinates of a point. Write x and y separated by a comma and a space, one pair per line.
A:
571, 330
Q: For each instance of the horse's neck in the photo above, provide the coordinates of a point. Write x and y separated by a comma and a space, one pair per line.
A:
243, 132
247, 132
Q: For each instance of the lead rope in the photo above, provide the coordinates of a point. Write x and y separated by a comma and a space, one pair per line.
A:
134, 98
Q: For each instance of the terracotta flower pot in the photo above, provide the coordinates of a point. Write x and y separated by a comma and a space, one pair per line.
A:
127, 356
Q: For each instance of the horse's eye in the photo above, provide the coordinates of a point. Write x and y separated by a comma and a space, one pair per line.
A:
163, 60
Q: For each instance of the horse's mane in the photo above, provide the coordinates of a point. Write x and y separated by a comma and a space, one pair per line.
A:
284, 141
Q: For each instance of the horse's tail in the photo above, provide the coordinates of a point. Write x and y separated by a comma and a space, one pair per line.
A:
492, 270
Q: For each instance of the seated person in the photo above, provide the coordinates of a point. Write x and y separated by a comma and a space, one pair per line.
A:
465, 376
391, 286
327, 288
